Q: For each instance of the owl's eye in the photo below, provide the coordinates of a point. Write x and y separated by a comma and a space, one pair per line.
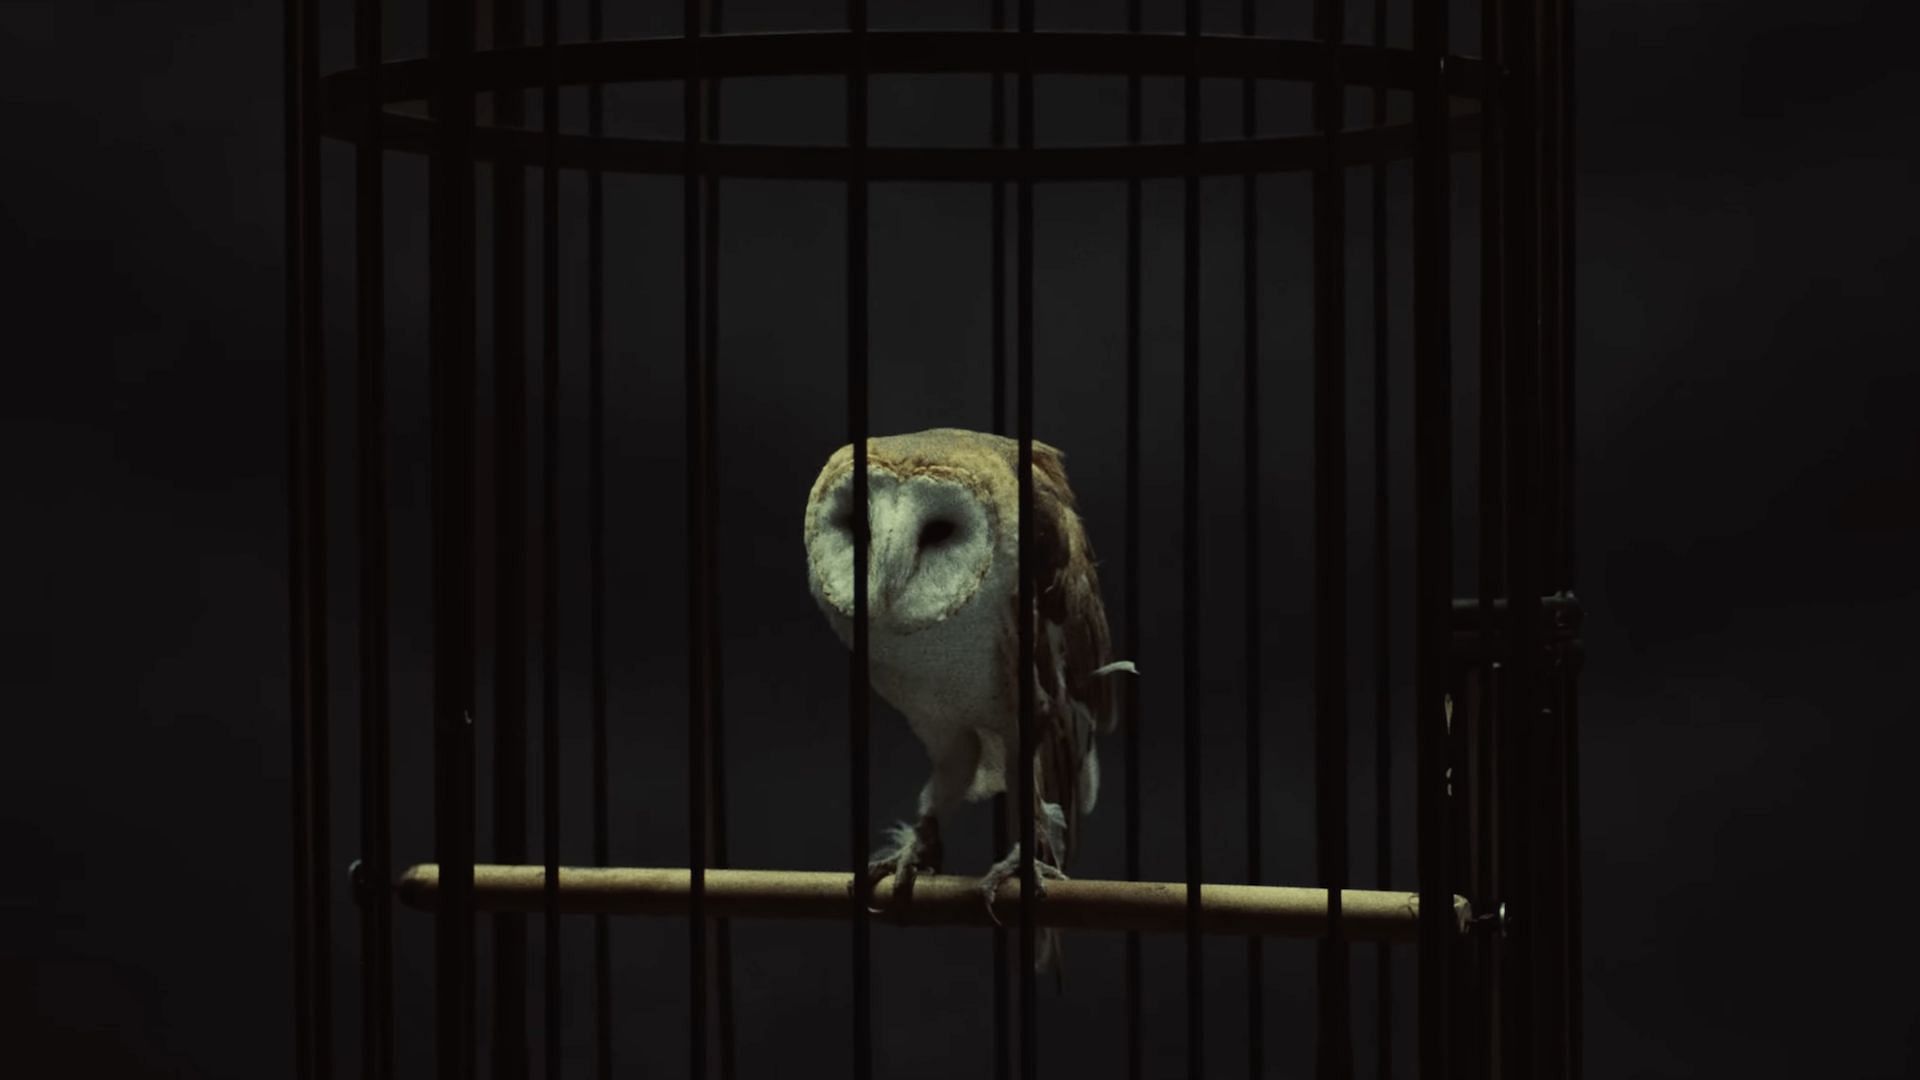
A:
936, 532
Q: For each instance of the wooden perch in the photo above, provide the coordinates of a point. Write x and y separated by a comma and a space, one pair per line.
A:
939, 900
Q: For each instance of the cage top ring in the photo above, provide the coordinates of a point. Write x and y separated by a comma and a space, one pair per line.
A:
1465, 81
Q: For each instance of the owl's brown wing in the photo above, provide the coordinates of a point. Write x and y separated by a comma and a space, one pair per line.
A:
1072, 701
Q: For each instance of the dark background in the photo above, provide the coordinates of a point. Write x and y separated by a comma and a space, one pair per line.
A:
1747, 457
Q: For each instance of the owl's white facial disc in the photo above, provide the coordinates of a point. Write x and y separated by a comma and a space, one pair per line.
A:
932, 546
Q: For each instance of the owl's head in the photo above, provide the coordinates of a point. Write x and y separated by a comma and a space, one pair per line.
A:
935, 534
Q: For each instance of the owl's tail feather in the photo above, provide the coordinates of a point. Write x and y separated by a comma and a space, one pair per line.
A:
1050, 956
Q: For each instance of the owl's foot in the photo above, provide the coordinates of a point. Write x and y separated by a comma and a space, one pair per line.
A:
915, 848
1008, 869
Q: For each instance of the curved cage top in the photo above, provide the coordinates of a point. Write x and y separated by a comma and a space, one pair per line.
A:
1467, 82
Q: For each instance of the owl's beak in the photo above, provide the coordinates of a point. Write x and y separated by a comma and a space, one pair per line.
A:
887, 573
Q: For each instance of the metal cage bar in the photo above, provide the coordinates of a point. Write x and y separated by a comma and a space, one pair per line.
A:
1190, 549
1382, 578
299, 678
699, 588
1333, 1048
1130, 585
511, 577
859, 668
551, 1033
722, 958
376, 813
597, 550
997, 274
997, 255
1025, 606
451, 186
1495, 704
1250, 573
1433, 525
1520, 736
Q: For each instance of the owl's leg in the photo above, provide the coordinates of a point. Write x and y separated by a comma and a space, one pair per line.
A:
913, 848
1051, 844
917, 847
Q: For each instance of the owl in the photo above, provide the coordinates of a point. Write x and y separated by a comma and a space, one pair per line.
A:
942, 636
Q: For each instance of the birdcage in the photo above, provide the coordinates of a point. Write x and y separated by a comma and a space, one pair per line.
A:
437, 532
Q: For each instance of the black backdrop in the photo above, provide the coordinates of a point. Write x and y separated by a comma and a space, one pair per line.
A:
1746, 456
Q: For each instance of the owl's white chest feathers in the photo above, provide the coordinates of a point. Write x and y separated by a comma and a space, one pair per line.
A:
945, 678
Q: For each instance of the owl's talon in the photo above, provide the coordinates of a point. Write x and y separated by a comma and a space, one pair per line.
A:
915, 849
1009, 868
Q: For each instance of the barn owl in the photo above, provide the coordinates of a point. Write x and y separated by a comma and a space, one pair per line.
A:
942, 640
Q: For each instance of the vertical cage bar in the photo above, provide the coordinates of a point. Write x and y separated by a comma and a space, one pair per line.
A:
722, 956
1551, 780
1002, 1005
1462, 1006
1190, 543
1023, 662
1575, 1050
1576, 1005
1554, 216
509, 1026
1334, 1047
451, 185
1250, 496
698, 676
1520, 720
1129, 688
860, 699
552, 1033
299, 678
1433, 529
1382, 581
376, 836
997, 134
1567, 176
319, 727
597, 546
1491, 533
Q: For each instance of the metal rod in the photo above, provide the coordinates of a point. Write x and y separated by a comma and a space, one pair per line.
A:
722, 957
451, 183
552, 1032
1463, 1006
699, 677
1156, 55
1575, 1020
1519, 720
299, 705
997, 128
1489, 775
1157, 907
1190, 553
1433, 527
1023, 662
1002, 1002
859, 686
319, 726
376, 835
1568, 174
508, 1029
1550, 803
597, 549
1382, 580
1130, 695
1334, 1046
1054, 164
1250, 497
